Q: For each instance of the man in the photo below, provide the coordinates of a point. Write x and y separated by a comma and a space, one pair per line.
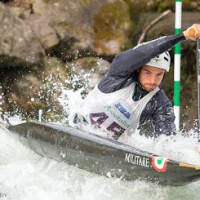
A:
128, 94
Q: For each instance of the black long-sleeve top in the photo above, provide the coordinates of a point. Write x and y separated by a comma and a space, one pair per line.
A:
123, 71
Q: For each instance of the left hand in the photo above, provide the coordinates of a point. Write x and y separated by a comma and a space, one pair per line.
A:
193, 32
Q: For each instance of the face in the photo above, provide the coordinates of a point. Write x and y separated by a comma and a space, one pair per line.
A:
150, 77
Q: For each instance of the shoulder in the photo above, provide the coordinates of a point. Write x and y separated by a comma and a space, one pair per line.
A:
162, 99
110, 84
161, 95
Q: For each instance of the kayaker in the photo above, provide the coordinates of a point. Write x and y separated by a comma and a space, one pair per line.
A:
128, 94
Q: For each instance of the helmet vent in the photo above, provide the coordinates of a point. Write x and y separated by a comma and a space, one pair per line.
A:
166, 59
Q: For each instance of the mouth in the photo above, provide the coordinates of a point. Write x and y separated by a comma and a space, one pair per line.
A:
151, 87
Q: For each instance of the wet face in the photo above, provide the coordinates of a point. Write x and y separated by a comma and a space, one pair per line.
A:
150, 77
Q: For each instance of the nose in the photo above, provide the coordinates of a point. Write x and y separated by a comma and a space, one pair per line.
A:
152, 79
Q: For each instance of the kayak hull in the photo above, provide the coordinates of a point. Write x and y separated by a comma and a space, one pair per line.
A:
103, 155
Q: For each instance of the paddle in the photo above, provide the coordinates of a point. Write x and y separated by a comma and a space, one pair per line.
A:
192, 33
198, 81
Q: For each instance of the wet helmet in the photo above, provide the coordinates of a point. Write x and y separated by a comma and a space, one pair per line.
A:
161, 61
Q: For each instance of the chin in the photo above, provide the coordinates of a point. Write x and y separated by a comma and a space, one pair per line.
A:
149, 89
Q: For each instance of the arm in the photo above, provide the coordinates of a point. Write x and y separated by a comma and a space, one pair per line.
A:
126, 63
129, 61
163, 116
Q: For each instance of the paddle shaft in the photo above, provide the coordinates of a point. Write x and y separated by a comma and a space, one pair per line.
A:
198, 81
192, 33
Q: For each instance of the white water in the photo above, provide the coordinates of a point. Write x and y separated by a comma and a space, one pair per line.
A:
25, 175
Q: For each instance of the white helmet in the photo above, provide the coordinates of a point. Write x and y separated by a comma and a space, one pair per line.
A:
161, 61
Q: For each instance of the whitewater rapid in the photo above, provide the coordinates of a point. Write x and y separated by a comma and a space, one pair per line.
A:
25, 175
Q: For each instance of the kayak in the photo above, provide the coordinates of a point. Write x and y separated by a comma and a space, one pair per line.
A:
102, 155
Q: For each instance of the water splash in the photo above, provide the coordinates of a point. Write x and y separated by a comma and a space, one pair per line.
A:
25, 175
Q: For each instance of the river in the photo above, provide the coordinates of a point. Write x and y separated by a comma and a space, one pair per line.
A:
25, 175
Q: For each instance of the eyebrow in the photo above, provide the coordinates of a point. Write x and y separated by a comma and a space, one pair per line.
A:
146, 70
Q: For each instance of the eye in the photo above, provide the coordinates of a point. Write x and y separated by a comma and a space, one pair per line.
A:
147, 72
160, 75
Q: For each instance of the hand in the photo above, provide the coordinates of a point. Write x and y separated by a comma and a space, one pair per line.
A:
193, 32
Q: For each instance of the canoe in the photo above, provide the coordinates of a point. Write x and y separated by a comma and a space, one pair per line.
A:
103, 156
